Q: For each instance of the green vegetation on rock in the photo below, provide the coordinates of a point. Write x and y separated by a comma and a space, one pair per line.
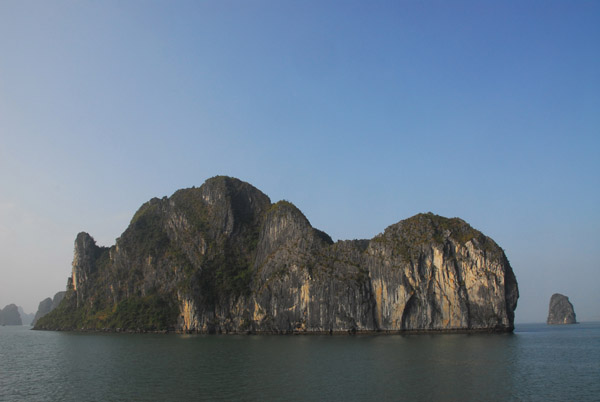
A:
152, 312
409, 236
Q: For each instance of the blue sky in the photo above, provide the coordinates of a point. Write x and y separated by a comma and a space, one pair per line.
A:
360, 113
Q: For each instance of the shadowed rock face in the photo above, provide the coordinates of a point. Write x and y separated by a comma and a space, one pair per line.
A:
561, 310
223, 258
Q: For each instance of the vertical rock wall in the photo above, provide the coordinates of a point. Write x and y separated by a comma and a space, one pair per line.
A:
233, 262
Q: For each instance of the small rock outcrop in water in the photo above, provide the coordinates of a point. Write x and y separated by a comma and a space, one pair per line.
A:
47, 305
561, 310
222, 258
9, 315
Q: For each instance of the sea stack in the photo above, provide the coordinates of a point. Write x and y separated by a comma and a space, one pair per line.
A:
561, 310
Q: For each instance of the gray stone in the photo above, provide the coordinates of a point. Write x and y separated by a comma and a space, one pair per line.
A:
560, 310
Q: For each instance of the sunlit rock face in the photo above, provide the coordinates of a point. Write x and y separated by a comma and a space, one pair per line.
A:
223, 258
560, 310
84, 267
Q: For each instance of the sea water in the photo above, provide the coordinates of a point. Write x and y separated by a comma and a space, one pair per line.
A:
535, 363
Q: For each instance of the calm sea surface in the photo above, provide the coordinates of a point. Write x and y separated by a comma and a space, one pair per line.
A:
536, 363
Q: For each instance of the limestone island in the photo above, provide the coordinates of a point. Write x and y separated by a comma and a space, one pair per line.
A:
222, 258
560, 311
9, 315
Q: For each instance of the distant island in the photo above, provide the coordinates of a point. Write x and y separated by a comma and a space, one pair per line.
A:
222, 258
15, 315
10, 315
561, 310
26, 318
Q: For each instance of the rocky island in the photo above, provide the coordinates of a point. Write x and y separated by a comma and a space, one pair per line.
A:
561, 310
222, 258
9, 315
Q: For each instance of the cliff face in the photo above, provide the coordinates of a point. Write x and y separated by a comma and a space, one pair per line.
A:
223, 258
47, 305
560, 310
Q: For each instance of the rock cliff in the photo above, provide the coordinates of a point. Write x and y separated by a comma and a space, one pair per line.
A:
9, 315
223, 258
47, 305
560, 310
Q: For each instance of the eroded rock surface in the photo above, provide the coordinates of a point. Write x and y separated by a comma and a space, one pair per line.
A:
223, 258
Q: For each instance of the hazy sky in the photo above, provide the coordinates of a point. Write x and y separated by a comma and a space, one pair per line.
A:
360, 113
